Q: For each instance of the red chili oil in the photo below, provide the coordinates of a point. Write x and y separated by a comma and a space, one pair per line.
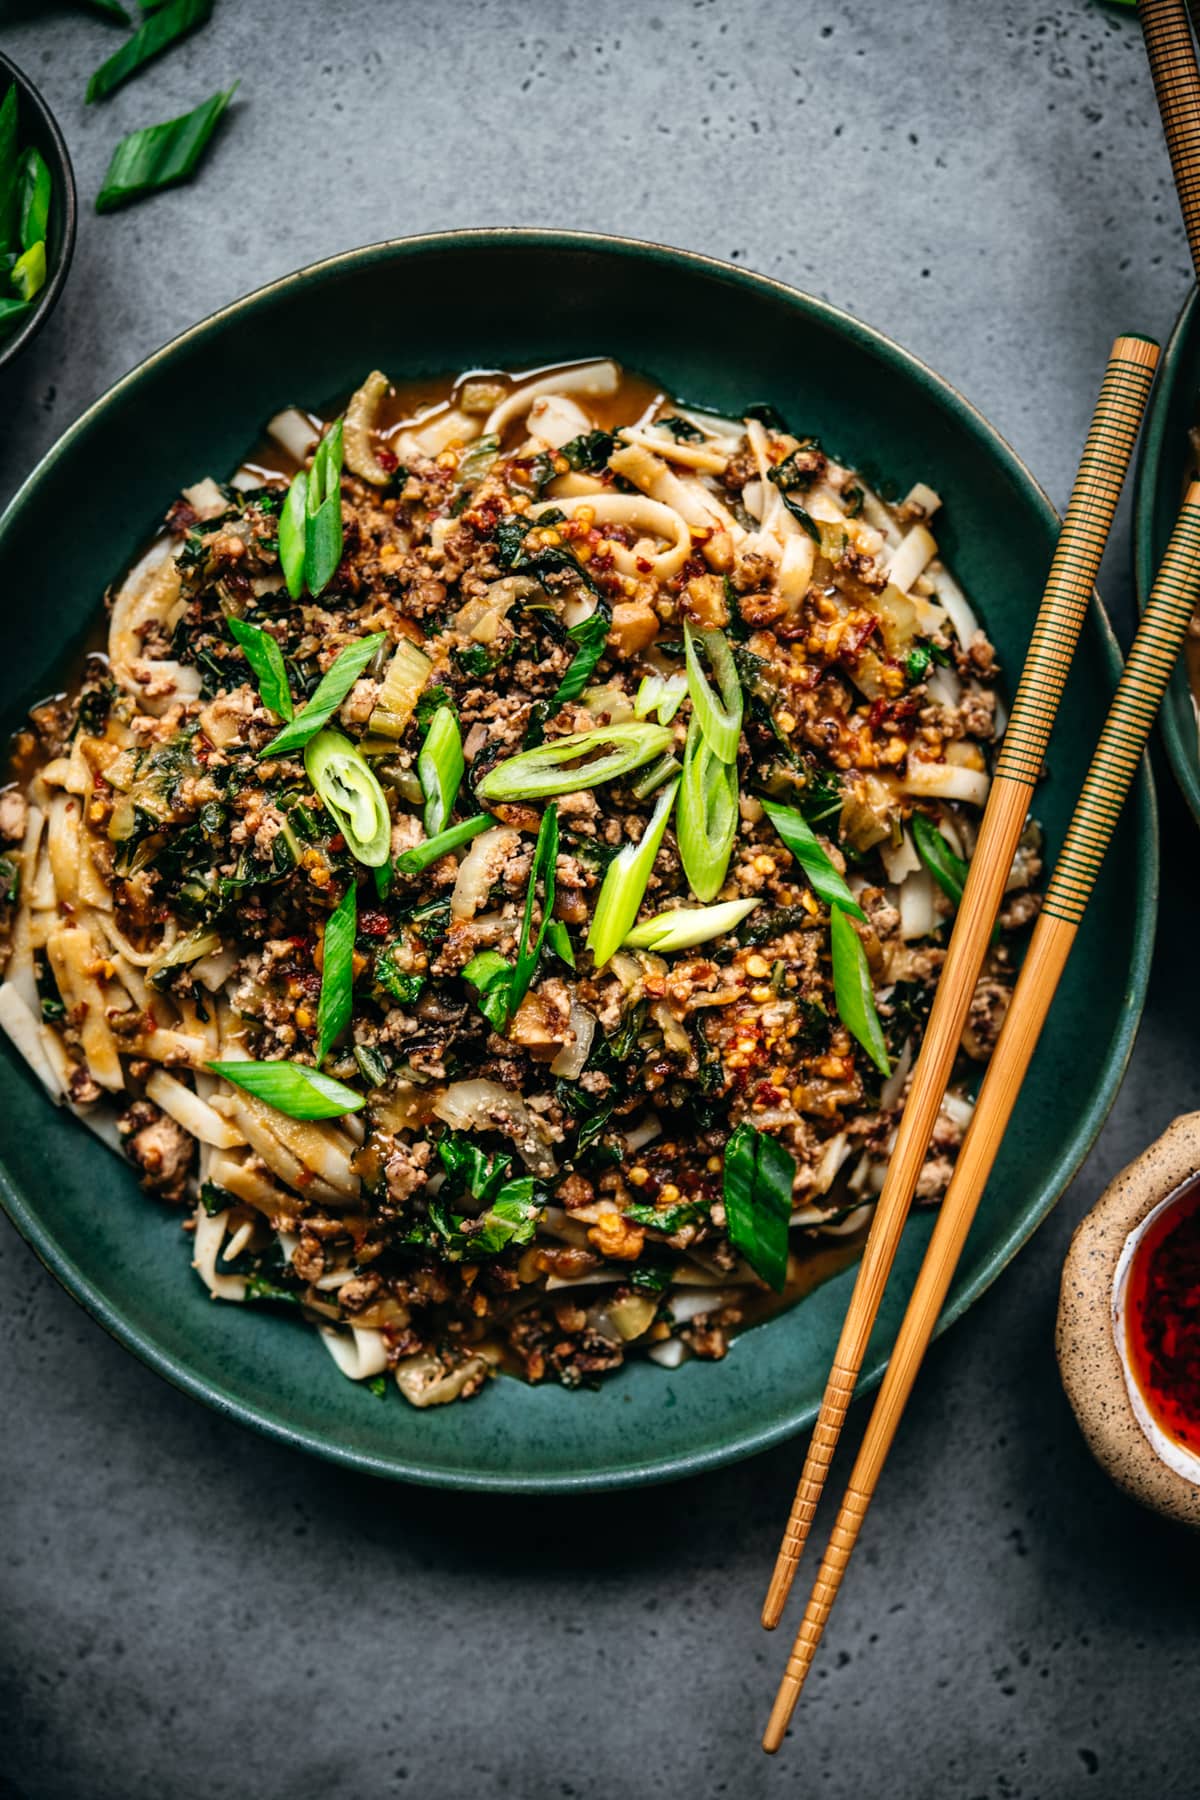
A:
1162, 1317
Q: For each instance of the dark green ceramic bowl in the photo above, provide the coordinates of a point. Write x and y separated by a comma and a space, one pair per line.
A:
1162, 467
716, 335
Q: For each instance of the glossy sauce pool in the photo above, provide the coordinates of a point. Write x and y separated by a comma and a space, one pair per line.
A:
1162, 1317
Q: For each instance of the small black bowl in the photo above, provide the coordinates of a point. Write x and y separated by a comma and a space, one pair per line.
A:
36, 125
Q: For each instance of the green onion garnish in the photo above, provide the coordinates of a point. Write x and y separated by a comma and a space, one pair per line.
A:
720, 719
34, 189
654, 774
440, 768
853, 991
328, 695
411, 862
661, 695
152, 37
501, 987
759, 1174
583, 760
292, 1088
349, 790
801, 840
591, 636
683, 927
266, 660
337, 972
708, 814
323, 512
625, 882
29, 272
291, 534
158, 156
947, 869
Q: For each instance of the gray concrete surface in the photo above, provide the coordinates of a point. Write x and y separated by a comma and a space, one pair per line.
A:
186, 1611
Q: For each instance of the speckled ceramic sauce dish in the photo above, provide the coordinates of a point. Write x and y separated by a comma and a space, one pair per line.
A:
1165, 458
716, 336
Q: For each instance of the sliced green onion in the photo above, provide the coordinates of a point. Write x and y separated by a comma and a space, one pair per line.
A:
158, 156
266, 660
654, 775
34, 187
758, 1180
152, 37
853, 991
291, 535
662, 695
292, 1088
947, 869
502, 987
801, 840
720, 719
559, 940
328, 695
440, 768
708, 814
683, 927
583, 760
349, 790
413, 861
625, 882
29, 272
400, 691
591, 637
323, 512
337, 972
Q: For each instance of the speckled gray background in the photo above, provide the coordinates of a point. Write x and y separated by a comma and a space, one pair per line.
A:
188, 1612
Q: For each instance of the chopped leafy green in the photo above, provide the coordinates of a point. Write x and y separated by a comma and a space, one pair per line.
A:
499, 986
372, 1064
589, 452
402, 984
667, 1219
158, 156
156, 34
590, 636
266, 659
759, 1174
471, 1169
682, 430
918, 662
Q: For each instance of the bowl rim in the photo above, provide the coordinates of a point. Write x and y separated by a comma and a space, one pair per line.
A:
48, 299
1183, 756
1071, 1154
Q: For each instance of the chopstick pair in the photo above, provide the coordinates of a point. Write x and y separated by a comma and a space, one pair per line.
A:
1151, 659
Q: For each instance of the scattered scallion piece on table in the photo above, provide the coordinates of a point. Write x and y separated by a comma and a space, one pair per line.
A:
328, 695
440, 768
759, 1174
411, 862
291, 534
801, 840
683, 927
266, 660
349, 791
708, 814
337, 972
323, 512
720, 718
582, 760
292, 1088
624, 884
158, 156
154, 35
853, 991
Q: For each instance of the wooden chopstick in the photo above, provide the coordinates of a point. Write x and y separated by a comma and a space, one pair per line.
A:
1068, 591
1172, 53
1135, 705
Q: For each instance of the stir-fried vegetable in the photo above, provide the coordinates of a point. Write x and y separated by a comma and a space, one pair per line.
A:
625, 883
590, 636
292, 1088
331, 690
853, 991
337, 972
502, 986
759, 1175
801, 840
708, 814
266, 659
159, 156
440, 767
349, 790
582, 760
401, 690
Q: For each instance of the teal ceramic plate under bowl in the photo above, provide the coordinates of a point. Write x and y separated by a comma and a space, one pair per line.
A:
1162, 469
717, 336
